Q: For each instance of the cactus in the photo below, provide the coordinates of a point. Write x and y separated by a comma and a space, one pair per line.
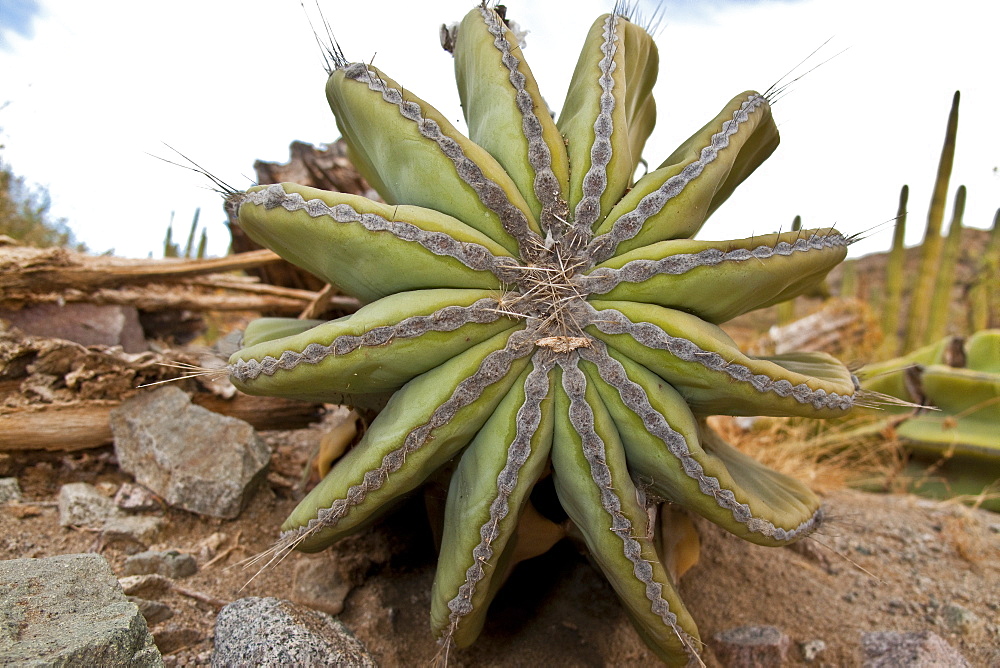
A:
985, 290
961, 379
920, 298
894, 279
170, 249
531, 309
941, 310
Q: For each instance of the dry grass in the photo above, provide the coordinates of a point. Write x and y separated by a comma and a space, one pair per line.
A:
823, 455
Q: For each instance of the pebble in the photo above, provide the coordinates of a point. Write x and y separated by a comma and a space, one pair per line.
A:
194, 459
319, 585
151, 586
812, 649
746, 646
961, 620
925, 649
171, 564
10, 490
136, 498
80, 504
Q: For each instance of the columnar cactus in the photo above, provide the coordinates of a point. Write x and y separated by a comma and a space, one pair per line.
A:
529, 308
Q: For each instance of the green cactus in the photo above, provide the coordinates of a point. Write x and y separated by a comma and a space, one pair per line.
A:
985, 290
960, 379
920, 298
530, 308
941, 301
894, 280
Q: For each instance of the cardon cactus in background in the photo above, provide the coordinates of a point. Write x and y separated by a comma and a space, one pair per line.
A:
531, 309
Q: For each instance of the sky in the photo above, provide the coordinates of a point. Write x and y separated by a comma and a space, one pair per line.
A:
96, 92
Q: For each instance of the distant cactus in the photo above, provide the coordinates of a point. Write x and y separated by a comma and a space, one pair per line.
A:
894, 280
960, 378
941, 310
170, 249
985, 291
920, 300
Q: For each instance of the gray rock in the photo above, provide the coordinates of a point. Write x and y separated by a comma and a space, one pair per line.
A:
69, 610
270, 631
10, 490
172, 564
195, 459
145, 586
138, 529
86, 324
926, 649
747, 646
320, 585
154, 611
80, 504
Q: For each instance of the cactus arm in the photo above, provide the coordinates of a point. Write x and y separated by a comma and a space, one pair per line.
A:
941, 312
424, 425
894, 279
684, 461
699, 356
676, 199
488, 492
456, 176
744, 275
379, 348
593, 484
930, 257
507, 116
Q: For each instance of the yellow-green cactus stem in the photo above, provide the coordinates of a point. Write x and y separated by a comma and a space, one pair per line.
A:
531, 308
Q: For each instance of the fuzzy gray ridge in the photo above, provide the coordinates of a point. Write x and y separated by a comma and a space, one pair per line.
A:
529, 416
446, 319
605, 279
595, 182
581, 416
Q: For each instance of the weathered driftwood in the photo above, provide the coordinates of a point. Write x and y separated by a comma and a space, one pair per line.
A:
55, 275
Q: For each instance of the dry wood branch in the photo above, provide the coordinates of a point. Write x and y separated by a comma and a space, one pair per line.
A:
49, 270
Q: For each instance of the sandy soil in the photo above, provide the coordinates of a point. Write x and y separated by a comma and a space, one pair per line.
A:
881, 562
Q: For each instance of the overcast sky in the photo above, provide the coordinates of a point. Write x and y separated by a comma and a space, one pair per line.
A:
95, 87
